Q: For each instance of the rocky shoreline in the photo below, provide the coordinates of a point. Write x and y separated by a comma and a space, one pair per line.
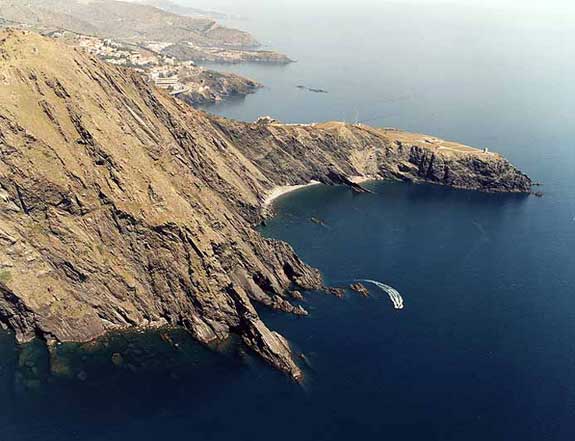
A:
123, 208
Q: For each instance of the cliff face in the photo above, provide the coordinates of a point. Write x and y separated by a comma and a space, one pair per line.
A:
332, 152
121, 207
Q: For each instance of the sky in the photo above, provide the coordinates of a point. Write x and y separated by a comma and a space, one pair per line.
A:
524, 6
516, 4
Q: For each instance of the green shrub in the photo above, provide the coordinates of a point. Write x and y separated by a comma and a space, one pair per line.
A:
5, 276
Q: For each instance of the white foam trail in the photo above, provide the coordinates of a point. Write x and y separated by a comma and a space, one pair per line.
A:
393, 294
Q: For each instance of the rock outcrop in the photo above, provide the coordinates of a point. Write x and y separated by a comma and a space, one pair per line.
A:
204, 86
359, 288
121, 207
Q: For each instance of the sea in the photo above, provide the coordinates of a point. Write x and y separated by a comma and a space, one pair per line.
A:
483, 347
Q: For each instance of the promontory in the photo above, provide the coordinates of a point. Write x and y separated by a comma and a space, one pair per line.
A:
122, 207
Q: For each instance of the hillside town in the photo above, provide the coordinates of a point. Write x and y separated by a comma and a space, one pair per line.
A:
183, 79
162, 70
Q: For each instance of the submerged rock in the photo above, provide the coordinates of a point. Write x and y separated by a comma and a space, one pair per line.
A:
338, 292
318, 221
359, 288
311, 89
117, 359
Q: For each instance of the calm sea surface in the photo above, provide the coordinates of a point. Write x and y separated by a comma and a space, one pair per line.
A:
485, 346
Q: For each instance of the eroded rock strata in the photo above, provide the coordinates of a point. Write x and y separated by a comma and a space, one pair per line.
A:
121, 207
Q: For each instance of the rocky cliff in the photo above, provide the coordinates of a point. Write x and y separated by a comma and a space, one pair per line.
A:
204, 86
334, 152
121, 207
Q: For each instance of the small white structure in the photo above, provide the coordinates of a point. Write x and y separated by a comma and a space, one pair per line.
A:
265, 120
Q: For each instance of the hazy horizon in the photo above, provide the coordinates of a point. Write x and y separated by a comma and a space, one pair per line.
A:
525, 5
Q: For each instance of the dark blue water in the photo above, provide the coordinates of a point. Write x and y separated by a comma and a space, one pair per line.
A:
485, 347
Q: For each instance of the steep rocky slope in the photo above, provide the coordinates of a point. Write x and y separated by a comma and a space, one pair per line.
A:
121, 207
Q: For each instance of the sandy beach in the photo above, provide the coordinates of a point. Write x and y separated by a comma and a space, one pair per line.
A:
276, 192
279, 191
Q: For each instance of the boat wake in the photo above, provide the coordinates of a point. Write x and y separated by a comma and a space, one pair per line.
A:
393, 294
